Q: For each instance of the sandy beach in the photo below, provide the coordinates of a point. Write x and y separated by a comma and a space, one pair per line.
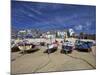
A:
38, 61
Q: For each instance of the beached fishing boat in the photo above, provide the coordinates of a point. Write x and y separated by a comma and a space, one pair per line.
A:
25, 46
51, 48
83, 45
14, 46
67, 47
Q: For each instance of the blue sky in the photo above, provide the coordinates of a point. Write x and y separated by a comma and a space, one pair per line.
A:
51, 16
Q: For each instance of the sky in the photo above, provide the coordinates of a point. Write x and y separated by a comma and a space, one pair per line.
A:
53, 16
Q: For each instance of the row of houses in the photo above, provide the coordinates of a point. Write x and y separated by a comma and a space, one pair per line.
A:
38, 34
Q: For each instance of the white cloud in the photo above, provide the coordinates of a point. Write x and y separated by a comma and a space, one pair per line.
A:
78, 27
36, 11
88, 24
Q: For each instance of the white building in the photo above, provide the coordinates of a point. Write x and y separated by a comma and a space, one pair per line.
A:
25, 34
50, 36
61, 34
71, 32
